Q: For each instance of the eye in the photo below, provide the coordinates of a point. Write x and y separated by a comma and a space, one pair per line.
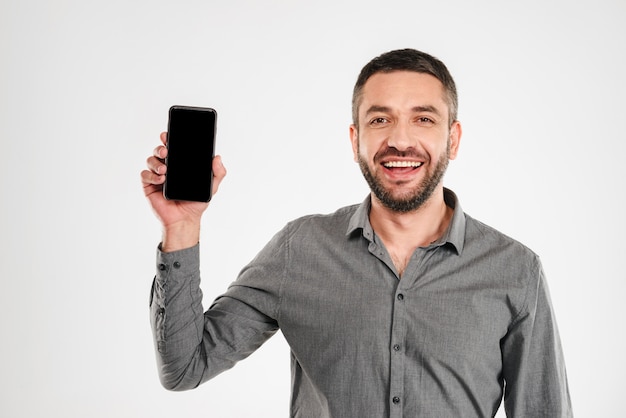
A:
379, 121
425, 120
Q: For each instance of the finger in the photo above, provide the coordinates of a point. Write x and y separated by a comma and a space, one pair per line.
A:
160, 152
156, 165
151, 178
164, 137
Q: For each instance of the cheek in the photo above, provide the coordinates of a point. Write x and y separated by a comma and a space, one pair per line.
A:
437, 145
364, 152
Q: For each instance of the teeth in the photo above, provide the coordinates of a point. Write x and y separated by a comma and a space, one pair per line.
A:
390, 164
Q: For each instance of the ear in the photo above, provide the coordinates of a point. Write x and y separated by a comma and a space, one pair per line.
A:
354, 139
455, 138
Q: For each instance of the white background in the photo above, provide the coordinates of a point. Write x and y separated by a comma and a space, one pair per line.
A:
84, 92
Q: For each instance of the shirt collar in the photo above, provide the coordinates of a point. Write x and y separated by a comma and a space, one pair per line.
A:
455, 234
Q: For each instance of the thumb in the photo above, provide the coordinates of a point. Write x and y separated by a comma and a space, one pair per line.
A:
219, 172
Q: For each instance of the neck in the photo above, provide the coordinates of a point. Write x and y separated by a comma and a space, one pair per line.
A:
403, 233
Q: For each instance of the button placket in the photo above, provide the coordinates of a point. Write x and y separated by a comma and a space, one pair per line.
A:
398, 335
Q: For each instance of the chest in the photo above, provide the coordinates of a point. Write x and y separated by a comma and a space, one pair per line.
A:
438, 308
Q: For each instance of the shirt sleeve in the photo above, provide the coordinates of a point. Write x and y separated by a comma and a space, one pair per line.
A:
533, 365
193, 346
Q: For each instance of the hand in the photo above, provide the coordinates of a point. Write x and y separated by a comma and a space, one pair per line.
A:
180, 219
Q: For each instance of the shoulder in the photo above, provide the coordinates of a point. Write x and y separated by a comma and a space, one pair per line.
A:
313, 231
310, 231
501, 250
490, 236
335, 221
512, 265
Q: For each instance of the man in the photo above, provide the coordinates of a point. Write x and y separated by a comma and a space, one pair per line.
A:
400, 306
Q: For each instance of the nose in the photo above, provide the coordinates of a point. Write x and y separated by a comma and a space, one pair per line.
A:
400, 137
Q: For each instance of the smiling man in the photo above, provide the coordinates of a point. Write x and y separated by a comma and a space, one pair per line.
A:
401, 306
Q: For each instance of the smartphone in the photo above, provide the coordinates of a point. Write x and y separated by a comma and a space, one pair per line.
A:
190, 151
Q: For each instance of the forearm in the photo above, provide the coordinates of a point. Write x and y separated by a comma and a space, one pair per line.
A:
177, 319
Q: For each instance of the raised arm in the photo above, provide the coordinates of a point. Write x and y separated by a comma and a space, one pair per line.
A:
176, 300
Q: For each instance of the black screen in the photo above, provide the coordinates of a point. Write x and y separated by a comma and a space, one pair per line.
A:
190, 143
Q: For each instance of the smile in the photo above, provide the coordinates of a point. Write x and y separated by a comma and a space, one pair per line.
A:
396, 164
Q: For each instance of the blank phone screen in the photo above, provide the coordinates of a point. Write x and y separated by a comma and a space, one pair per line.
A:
190, 144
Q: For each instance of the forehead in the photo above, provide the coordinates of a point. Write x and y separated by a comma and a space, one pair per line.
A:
399, 89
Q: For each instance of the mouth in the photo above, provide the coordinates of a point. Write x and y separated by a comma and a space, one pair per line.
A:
402, 164
401, 170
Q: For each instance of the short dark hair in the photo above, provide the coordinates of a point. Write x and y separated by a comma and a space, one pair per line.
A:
406, 60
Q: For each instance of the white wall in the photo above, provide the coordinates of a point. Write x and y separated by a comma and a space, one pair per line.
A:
84, 92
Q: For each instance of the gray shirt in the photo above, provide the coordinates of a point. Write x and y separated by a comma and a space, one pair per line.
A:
469, 321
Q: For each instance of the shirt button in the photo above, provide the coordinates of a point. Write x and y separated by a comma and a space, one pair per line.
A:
176, 265
396, 400
162, 267
396, 347
400, 296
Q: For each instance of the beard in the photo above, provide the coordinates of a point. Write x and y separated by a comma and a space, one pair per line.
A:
413, 199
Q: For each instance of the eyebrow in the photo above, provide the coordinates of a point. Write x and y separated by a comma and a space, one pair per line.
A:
426, 108
416, 109
376, 109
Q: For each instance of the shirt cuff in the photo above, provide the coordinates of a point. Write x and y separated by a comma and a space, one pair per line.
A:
181, 263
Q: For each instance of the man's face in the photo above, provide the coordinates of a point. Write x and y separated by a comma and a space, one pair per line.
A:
404, 139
